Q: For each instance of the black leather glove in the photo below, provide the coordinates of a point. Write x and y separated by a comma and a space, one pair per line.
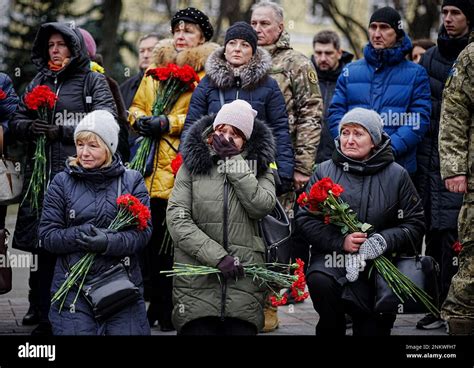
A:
223, 147
96, 241
152, 126
39, 127
284, 186
230, 268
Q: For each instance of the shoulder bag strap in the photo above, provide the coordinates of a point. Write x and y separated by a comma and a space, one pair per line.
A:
119, 186
221, 97
417, 255
1, 141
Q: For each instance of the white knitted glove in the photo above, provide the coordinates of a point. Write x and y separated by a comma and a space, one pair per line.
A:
354, 264
373, 247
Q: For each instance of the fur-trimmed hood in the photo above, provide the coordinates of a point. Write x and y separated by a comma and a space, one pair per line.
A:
222, 74
165, 53
199, 158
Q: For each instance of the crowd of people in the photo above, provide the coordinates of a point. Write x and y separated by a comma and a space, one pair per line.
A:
394, 128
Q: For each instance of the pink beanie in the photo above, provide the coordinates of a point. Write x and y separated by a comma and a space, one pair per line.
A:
89, 41
239, 114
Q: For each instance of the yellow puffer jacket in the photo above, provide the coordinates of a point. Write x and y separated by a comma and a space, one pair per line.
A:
161, 181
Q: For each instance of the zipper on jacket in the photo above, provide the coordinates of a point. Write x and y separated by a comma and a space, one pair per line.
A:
225, 241
56, 91
238, 84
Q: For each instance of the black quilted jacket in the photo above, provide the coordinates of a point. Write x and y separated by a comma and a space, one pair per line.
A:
381, 193
72, 84
90, 195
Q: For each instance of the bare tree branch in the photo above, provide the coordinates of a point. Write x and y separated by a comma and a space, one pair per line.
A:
111, 10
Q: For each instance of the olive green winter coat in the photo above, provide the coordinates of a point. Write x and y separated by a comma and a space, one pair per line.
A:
196, 218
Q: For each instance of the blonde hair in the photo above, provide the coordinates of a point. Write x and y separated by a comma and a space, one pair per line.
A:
90, 136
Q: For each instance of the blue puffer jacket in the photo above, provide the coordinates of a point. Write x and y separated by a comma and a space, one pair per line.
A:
252, 84
397, 89
77, 199
9, 103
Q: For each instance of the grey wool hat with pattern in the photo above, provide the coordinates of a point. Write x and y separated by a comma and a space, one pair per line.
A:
370, 120
102, 123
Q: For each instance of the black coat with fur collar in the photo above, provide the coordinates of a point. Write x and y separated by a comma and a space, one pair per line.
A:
254, 85
205, 189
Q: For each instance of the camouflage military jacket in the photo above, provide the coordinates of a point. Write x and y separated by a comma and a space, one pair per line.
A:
456, 141
298, 82
456, 135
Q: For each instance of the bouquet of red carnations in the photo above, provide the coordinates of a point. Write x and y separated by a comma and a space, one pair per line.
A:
40, 99
131, 213
324, 200
260, 274
173, 81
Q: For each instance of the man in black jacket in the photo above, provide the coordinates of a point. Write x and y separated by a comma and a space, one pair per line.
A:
441, 207
145, 51
329, 60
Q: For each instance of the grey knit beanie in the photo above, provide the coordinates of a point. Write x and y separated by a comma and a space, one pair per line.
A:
239, 114
102, 123
369, 119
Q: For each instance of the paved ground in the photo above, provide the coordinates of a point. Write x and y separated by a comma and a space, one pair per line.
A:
300, 319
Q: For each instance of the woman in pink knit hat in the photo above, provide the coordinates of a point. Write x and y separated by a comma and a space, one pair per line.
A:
223, 188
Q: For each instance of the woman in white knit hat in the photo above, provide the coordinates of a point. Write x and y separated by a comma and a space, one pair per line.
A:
222, 189
78, 208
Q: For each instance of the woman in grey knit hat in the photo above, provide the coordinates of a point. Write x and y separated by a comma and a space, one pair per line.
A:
381, 193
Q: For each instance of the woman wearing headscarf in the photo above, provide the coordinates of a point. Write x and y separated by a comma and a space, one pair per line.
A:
190, 45
63, 66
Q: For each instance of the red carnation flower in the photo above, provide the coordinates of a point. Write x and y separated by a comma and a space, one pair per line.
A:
457, 247
337, 190
176, 163
302, 199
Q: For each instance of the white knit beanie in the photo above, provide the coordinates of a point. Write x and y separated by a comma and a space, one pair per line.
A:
102, 123
239, 114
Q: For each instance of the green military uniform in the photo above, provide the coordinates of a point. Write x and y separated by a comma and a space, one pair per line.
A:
298, 82
456, 149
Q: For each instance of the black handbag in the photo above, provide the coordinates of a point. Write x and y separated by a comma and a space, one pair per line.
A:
423, 271
275, 229
110, 292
